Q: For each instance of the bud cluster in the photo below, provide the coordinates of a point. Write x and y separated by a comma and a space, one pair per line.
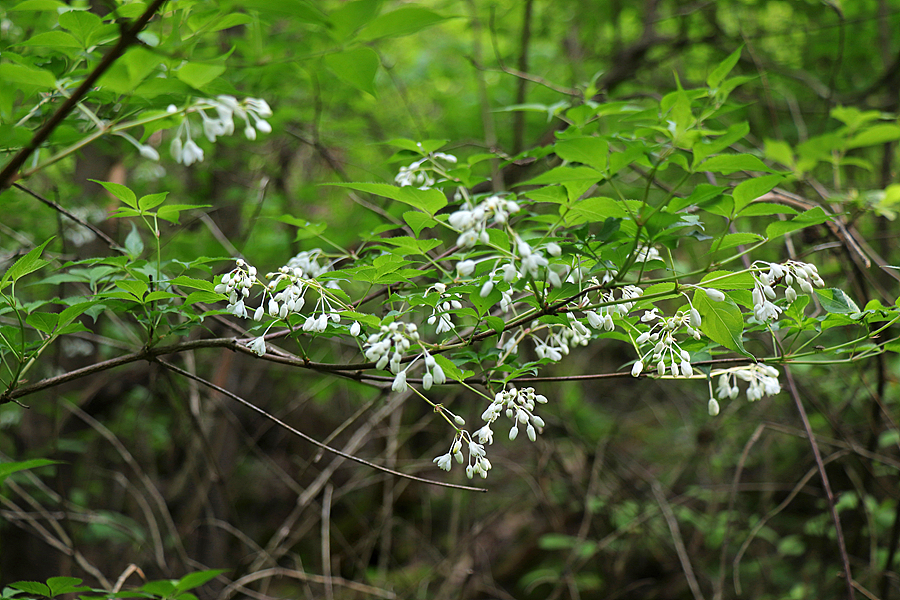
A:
472, 222
805, 275
236, 285
421, 172
387, 347
666, 351
518, 406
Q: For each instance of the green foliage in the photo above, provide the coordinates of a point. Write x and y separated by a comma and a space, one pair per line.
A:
411, 249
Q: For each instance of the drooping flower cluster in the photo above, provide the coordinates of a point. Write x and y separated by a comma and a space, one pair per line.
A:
472, 222
805, 275
236, 285
762, 380
518, 406
478, 461
421, 173
388, 346
666, 352
441, 312
252, 111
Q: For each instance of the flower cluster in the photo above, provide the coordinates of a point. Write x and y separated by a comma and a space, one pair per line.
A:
560, 338
441, 312
762, 380
252, 111
472, 222
236, 285
421, 172
478, 462
387, 347
804, 274
518, 405
666, 351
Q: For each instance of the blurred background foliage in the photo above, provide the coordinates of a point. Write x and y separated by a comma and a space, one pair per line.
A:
630, 481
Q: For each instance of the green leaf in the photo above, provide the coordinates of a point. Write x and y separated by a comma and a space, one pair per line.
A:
729, 163
353, 15
8, 468
41, 321
229, 21
11, 73
451, 370
82, 24
779, 151
197, 74
57, 39
160, 295
747, 191
171, 212
29, 263
429, 200
591, 151
418, 221
596, 210
737, 239
722, 322
190, 282
813, 216
723, 69
875, 135
702, 194
65, 585
134, 245
53, 5
764, 209
356, 67
32, 587
193, 580
708, 147
203, 297
836, 301
151, 201
565, 174
305, 229
119, 191
403, 21
133, 287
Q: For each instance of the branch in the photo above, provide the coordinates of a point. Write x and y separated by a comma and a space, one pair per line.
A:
845, 559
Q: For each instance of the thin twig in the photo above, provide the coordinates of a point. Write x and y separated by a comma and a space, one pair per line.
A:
57, 207
303, 436
842, 547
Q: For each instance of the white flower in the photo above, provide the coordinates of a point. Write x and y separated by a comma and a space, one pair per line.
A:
553, 249
258, 346
713, 407
444, 461
465, 267
399, 384
637, 368
192, 153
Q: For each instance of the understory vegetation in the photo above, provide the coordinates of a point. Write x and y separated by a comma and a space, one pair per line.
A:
438, 299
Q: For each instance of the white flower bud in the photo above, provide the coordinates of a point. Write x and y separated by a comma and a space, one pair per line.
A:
486, 289
553, 249
514, 432
715, 295
465, 267
637, 368
713, 407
